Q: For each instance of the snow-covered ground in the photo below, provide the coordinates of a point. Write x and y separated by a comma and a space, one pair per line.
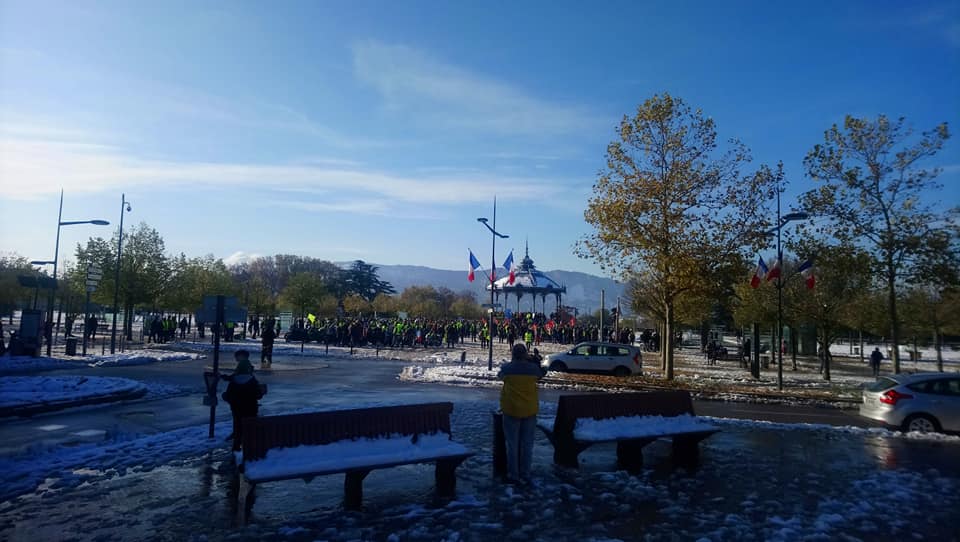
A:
18, 391
27, 364
27, 393
756, 481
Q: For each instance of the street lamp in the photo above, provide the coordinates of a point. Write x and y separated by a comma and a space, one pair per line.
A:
781, 222
124, 205
493, 266
56, 256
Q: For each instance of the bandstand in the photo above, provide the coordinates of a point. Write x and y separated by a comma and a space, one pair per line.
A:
528, 280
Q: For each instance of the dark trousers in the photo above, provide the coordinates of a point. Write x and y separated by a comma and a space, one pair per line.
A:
238, 427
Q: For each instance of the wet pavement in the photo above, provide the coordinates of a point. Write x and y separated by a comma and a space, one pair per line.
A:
753, 483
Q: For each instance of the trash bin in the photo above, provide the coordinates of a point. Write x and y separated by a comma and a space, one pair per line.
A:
765, 360
71, 346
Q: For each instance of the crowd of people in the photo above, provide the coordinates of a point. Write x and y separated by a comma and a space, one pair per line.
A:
530, 329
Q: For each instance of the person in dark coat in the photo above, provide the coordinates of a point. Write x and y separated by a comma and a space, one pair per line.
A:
266, 345
243, 393
875, 358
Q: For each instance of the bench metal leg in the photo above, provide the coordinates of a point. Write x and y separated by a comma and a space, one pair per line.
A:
446, 477
565, 453
686, 450
630, 454
353, 489
245, 498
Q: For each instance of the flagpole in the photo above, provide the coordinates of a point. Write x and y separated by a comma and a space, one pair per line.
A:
493, 266
779, 301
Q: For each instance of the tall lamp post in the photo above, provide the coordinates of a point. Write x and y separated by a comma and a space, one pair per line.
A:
781, 222
56, 256
124, 206
493, 267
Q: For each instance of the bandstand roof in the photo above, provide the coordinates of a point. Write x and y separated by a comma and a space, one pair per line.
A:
528, 279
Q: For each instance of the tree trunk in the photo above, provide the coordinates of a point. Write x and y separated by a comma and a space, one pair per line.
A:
825, 348
667, 343
793, 348
860, 331
892, 307
938, 347
128, 321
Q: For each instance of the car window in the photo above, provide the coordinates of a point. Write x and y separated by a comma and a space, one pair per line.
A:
618, 351
882, 384
945, 386
584, 350
923, 387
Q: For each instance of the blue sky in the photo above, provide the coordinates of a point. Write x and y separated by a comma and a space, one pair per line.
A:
382, 130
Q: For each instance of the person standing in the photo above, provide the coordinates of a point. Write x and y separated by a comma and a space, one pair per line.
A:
519, 403
875, 358
266, 345
243, 393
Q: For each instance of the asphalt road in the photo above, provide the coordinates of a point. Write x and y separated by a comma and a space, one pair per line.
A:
298, 383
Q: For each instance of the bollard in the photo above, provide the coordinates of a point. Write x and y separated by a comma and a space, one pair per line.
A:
499, 446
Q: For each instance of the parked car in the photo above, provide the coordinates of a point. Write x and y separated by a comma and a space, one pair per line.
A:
595, 357
915, 402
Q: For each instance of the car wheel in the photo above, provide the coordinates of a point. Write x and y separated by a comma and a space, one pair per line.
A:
921, 423
558, 366
621, 371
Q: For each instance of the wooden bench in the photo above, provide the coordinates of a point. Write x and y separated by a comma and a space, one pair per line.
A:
641, 418
353, 442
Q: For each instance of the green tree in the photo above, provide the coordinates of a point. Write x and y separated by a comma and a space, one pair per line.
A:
839, 279
145, 269
872, 188
384, 303
12, 295
303, 291
670, 207
362, 279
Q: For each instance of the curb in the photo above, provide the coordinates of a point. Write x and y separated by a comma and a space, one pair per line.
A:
42, 408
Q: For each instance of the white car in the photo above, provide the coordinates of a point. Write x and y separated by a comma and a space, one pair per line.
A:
611, 358
915, 402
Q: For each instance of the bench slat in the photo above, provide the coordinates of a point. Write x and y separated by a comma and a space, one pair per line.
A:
369, 467
263, 433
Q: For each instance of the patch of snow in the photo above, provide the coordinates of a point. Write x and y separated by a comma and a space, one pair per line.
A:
283, 462
25, 364
637, 426
20, 391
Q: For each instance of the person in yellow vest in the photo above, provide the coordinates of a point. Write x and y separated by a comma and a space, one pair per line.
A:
519, 403
528, 338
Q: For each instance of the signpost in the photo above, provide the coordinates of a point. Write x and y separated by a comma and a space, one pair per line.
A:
217, 309
94, 274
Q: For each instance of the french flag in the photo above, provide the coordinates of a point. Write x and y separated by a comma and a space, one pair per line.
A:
775, 268
759, 273
508, 265
474, 263
806, 271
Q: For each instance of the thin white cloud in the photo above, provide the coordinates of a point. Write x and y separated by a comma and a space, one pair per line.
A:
32, 166
414, 82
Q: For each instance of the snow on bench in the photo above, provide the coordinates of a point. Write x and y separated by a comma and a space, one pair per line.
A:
633, 420
350, 454
610, 429
353, 442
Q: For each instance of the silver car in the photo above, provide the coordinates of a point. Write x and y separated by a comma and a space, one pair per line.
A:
595, 357
915, 402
